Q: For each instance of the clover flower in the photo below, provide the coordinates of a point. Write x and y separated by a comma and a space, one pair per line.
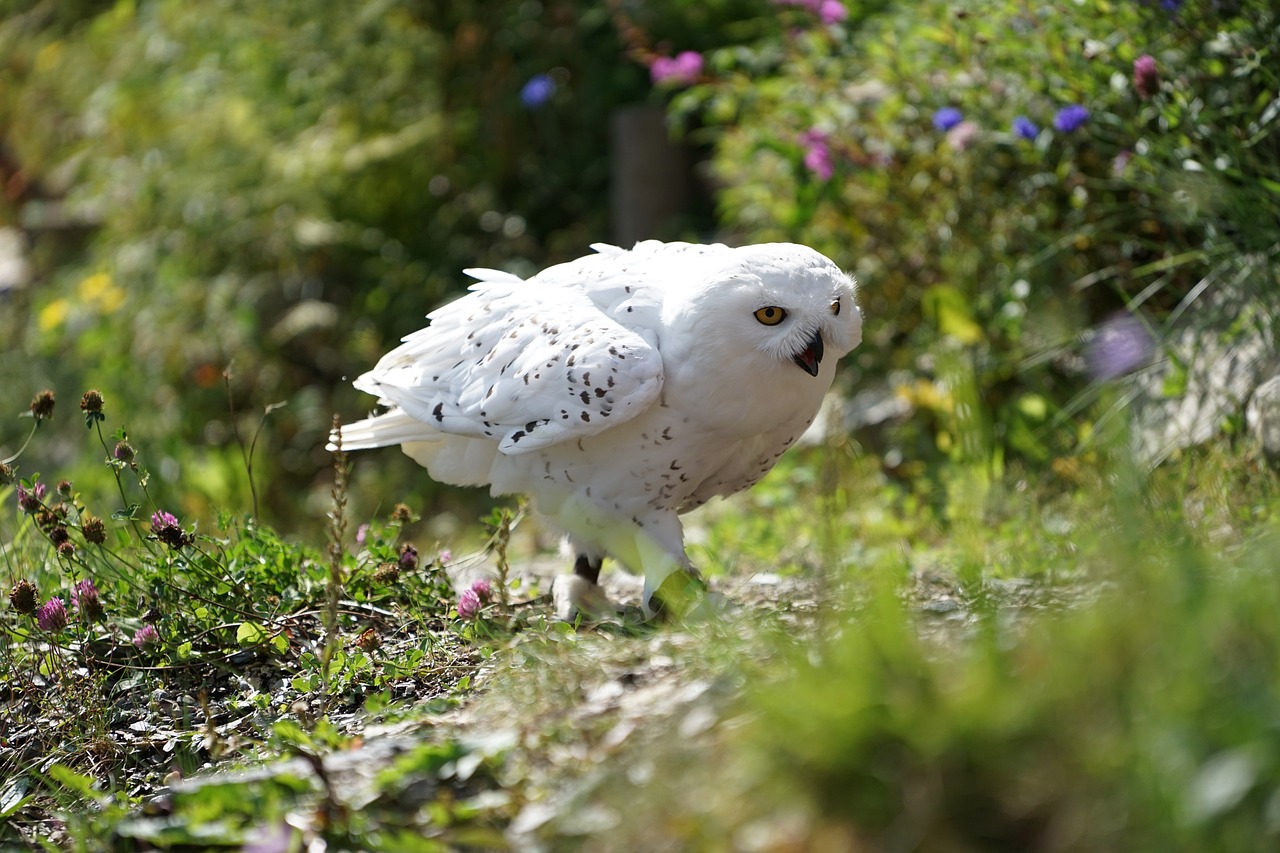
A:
483, 590
362, 533
408, 557
23, 597
402, 514
93, 529
469, 605
32, 500
682, 69
84, 597
165, 528
1025, 128
1146, 76
91, 405
947, 118
537, 91
123, 452
6, 474
387, 573
42, 405
52, 616
1071, 118
146, 636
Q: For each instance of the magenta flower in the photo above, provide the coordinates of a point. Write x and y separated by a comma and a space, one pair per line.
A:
1146, 76
483, 590
30, 501
817, 154
832, 11
145, 636
1071, 118
445, 556
52, 616
682, 69
469, 605
408, 557
362, 533
165, 527
84, 597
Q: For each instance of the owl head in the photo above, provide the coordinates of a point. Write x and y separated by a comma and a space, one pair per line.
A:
771, 306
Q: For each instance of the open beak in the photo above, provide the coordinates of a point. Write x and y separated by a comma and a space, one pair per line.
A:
810, 357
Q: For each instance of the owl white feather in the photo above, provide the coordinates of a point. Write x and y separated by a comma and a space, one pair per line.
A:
619, 391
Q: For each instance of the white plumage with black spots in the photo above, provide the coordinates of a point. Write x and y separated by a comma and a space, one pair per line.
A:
619, 390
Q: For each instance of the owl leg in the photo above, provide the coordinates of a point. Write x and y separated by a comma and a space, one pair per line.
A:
580, 594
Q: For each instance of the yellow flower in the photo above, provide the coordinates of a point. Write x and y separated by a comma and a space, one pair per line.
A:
101, 292
53, 315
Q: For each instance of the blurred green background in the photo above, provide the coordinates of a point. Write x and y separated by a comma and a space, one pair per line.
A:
231, 205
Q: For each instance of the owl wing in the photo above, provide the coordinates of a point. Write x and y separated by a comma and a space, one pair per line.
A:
526, 363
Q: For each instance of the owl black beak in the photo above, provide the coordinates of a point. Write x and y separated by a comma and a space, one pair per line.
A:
811, 356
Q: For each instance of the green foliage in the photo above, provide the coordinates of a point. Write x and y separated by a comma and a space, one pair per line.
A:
1142, 722
985, 253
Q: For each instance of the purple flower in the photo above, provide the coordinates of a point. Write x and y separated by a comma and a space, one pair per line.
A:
30, 500
1119, 346
469, 605
1070, 118
145, 636
1171, 5
817, 154
1146, 76
537, 91
832, 11
483, 590
1025, 128
165, 527
84, 595
682, 69
947, 118
445, 556
52, 616
408, 557
362, 533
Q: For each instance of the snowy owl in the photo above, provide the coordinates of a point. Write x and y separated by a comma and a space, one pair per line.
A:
619, 391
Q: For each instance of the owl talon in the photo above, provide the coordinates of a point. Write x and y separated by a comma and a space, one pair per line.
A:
574, 597
684, 595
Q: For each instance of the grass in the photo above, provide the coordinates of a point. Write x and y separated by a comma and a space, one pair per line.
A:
1081, 659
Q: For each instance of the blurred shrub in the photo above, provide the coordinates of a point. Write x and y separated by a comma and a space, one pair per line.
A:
285, 190
1001, 184
1142, 721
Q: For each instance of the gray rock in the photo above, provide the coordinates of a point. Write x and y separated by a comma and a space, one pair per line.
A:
1263, 418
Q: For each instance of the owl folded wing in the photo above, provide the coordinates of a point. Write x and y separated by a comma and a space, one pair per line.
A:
523, 363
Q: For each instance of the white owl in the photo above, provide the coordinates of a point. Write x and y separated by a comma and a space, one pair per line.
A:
619, 391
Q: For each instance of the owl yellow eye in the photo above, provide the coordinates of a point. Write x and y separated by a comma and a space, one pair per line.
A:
835, 308
771, 316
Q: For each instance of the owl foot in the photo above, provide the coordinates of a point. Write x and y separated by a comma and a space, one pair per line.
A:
575, 597
684, 595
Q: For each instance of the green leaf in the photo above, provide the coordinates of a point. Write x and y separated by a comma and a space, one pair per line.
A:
250, 634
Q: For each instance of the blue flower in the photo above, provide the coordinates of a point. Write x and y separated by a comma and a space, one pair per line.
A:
1070, 118
1025, 128
947, 118
537, 91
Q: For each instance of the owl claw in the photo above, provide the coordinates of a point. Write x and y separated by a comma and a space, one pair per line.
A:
574, 597
684, 595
